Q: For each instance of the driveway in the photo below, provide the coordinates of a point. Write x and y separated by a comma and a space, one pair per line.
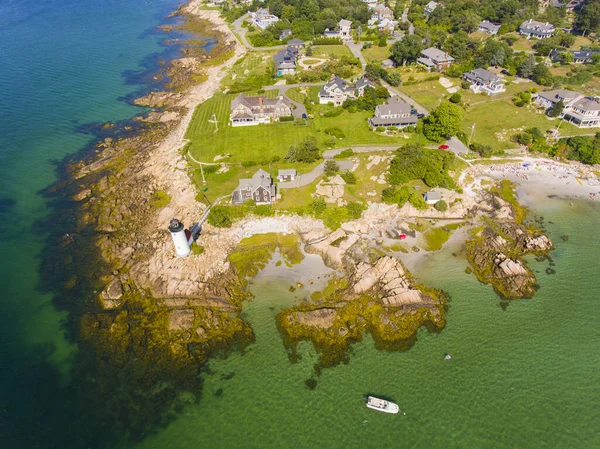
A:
420, 109
355, 49
241, 32
308, 178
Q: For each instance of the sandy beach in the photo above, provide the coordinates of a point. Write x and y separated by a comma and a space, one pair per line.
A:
541, 177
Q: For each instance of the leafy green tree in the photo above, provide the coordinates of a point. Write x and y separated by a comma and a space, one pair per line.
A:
331, 168
443, 122
441, 206
349, 177
407, 49
306, 151
455, 98
557, 109
525, 70
588, 18
542, 75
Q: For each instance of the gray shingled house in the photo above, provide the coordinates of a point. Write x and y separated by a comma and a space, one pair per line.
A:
259, 188
395, 112
435, 59
484, 81
246, 111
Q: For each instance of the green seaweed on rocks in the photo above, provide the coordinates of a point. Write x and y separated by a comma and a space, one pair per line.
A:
253, 253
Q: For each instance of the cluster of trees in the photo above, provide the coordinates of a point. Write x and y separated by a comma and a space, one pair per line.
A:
392, 195
310, 18
306, 151
465, 15
580, 148
375, 72
413, 162
443, 122
371, 98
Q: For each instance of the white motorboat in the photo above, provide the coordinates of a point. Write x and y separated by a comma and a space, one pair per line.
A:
382, 405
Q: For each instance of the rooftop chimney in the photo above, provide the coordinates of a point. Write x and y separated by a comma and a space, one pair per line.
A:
260, 102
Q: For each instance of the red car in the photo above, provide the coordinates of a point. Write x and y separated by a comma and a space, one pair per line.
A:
443, 147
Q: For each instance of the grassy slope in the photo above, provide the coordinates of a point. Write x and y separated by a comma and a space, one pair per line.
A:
376, 53
257, 143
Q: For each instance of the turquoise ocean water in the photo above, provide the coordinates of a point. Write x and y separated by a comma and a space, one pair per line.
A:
522, 376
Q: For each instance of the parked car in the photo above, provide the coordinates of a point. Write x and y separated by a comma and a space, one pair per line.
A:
304, 117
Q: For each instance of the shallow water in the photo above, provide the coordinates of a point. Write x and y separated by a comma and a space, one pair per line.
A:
523, 376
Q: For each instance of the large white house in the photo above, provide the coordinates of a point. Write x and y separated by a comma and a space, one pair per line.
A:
343, 30
533, 28
337, 90
262, 18
580, 110
484, 81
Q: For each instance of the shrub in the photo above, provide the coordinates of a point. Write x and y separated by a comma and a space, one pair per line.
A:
305, 151
344, 154
349, 177
197, 249
317, 207
331, 168
335, 132
249, 163
380, 129
355, 209
455, 98
441, 206
286, 118
409, 129
220, 217
159, 199
417, 201
333, 112
465, 85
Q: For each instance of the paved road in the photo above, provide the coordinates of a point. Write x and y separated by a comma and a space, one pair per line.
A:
283, 88
355, 49
411, 27
328, 154
241, 32
420, 109
308, 178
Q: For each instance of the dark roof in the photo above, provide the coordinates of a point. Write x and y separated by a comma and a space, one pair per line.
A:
255, 102
437, 55
487, 25
412, 120
394, 105
481, 76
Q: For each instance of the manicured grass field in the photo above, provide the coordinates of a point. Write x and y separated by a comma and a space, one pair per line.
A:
296, 94
495, 122
261, 142
331, 50
376, 53
428, 93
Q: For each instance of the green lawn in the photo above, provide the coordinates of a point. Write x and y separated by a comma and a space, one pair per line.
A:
296, 94
495, 122
376, 53
261, 142
254, 63
428, 93
336, 51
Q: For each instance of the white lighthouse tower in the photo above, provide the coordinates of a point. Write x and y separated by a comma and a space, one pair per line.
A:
182, 238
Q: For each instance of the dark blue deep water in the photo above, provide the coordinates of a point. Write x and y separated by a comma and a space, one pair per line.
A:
66, 65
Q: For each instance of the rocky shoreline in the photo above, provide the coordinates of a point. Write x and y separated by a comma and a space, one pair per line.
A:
192, 306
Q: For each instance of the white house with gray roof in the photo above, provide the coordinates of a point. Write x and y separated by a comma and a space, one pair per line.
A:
263, 18
286, 174
396, 112
533, 28
489, 27
435, 59
259, 188
337, 90
430, 7
484, 81
580, 110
